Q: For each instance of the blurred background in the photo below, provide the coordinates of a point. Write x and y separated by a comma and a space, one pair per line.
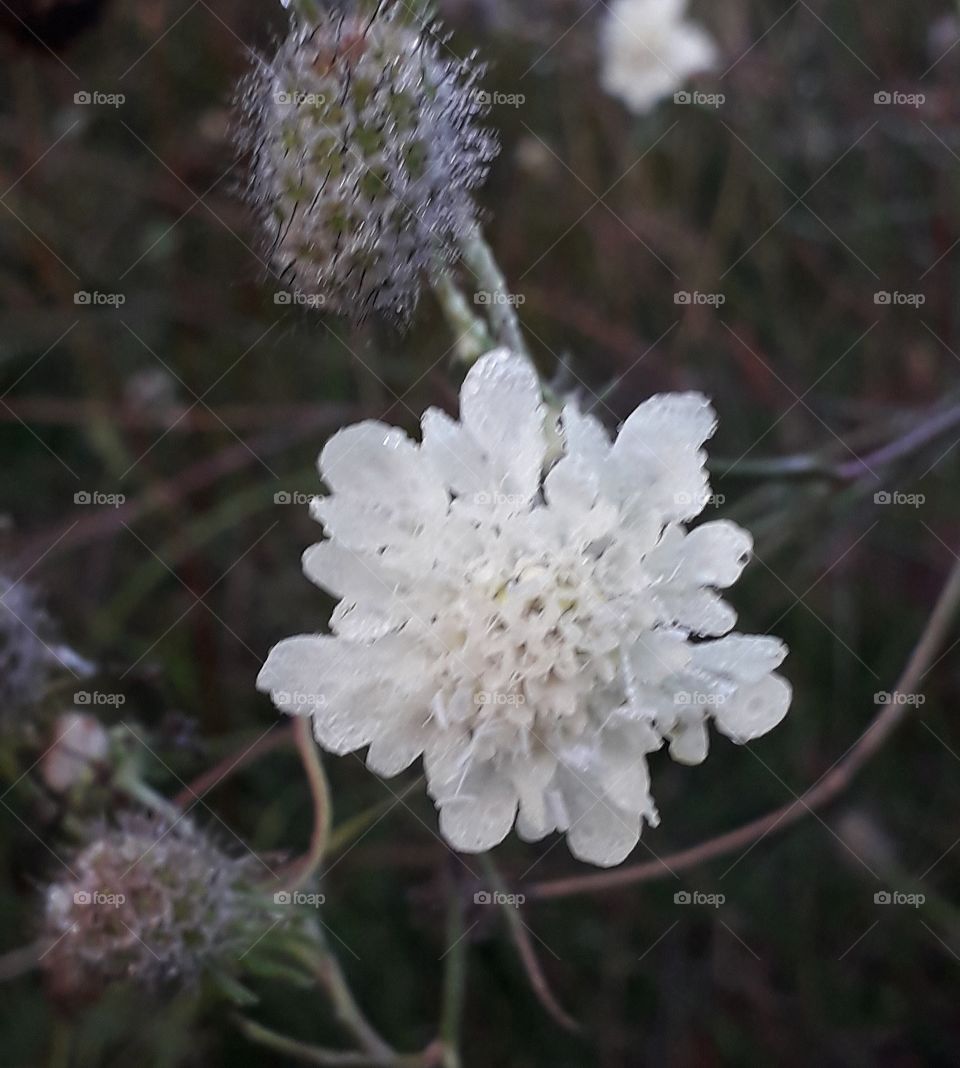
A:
791, 249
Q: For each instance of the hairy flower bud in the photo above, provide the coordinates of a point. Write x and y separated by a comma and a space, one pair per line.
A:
153, 902
366, 146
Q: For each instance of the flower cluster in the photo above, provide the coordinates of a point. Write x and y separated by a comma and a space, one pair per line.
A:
366, 144
150, 901
649, 48
533, 626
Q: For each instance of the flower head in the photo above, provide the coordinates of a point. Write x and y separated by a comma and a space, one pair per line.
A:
366, 145
649, 48
149, 901
532, 633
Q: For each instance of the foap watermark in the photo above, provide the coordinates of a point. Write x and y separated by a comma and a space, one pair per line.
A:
299, 99
896, 299
688, 298
899, 897
304, 300
99, 898
299, 898
292, 497
498, 897
291, 700
499, 700
714, 500
99, 699
103, 500
500, 100
703, 100
486, 298
895, 98
885, 697
699, 897
93, 97
508, 499
699, 700
95, 299
911, 500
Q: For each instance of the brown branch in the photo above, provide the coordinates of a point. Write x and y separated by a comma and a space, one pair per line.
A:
826, 790
232, 763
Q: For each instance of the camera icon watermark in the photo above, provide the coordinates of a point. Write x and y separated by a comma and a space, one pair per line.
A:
912, 500
95, 299
299, 898
895, 98
699, 897
704, 100
686, 298
94, 97
486, 299
899, 897
288, 298
885, 697
100, 898
99, 699
498, 897
108, 500
895, 299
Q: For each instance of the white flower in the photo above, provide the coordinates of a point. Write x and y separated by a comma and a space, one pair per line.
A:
649, 48
530, 633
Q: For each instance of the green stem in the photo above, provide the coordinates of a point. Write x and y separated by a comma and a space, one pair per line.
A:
473, 337
482, 264
454, 981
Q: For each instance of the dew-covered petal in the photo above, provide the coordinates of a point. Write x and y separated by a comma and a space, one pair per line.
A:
714, 554
455, 455
743, 657
380, 464
659, 457
689, 740
482, 816
754, 709
500, 405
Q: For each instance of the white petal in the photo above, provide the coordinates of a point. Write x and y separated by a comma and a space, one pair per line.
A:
585, 436
689, 741
754, 709
746, 658
483, 816
714, 554
455, 455
381, 465
701, 611
500, 404
396, 749
659, 457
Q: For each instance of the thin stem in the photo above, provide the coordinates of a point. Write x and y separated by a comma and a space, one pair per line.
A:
482, 264
308, 1054
528, 956
322, 808
454, 981
829, 787
473, 337
233, 763
348, 1011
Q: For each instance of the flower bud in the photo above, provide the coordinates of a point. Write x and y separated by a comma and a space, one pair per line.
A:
365, 142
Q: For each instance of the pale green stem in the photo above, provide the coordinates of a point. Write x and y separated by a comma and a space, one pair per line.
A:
473, 337
491, 283
454, 981
308, 1054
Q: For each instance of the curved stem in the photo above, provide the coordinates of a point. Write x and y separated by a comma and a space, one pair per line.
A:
473, 337
322, 808
829, 787
308, 1054
232, 763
